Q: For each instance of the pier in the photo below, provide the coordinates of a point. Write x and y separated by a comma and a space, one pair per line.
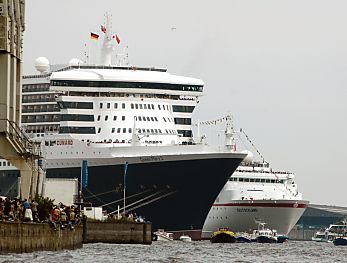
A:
18, 237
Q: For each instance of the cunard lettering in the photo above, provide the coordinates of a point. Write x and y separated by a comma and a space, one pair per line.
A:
64, 142
151, 159
247, 210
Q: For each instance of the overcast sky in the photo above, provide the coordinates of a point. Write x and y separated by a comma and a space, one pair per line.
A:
278, 66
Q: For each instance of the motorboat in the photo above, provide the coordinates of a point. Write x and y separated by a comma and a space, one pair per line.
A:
223, 235
340, 241
243, 237
185, 238
161, 235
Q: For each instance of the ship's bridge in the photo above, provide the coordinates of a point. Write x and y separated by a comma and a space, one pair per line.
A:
127, 80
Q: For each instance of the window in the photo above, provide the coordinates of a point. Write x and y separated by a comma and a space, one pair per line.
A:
99, 130
108, 105
118, 130
251, 180
159, 107
159, 130
99, 118
140, 118
148, 131
100, 105
132, 105
140, 106
145, 106
143, 131
106, 117
149, 106
144, 118
164, 119
152, 131
152, 107
113, 129
155, 130
115, 118
155, 118
116, 105
124, 130
148, 119
136, 106
123, 118
152, 119
130, 130
123, 105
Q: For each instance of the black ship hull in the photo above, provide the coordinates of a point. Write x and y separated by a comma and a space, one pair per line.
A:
173, 195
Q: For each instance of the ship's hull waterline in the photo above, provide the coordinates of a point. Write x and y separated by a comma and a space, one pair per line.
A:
242, 216
173, 193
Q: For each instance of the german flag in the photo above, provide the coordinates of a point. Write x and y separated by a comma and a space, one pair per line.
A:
94, 36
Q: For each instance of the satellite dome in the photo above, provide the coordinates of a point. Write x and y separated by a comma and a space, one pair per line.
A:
75, 62
42, 64
249, 157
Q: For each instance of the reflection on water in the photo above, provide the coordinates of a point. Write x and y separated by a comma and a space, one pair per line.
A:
199, 251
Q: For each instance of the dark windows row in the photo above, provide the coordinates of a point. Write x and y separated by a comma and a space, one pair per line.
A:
142, 106
180, 108
115, 105
41, 128
185, 133
77, 130
40, 118
144, 118
77, 117
141, 131
127, 85
40, 108
75, 105
256, 180
38, 98
35, 87
183, 121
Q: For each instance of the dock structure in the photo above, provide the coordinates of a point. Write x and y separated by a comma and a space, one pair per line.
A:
14, 144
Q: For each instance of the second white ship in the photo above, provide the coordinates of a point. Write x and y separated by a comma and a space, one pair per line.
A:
255, 193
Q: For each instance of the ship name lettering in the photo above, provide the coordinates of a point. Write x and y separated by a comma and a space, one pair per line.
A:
247, 210
151, 158
64, 142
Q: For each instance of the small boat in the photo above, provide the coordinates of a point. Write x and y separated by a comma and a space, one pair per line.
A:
319, 236
223, 235
340, 241
282, 238
163, 236
264, 235
185, 238
243, 237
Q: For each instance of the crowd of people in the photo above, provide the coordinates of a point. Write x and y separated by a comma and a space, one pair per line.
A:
16, 210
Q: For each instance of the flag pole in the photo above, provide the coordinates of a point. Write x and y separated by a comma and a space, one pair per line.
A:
124, 183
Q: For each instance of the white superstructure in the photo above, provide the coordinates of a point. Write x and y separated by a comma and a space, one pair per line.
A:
256, 193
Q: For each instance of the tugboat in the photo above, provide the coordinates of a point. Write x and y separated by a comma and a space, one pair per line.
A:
223, 235
264, 235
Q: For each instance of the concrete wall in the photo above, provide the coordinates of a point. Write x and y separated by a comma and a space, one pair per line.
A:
301, 234
118, 232
29, 237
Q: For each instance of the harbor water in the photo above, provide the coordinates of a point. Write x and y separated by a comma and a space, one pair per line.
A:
198, 251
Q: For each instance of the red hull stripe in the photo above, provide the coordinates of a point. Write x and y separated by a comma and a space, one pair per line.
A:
292, 205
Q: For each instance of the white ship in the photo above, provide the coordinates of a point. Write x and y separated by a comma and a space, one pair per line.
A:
256, 193
112, 115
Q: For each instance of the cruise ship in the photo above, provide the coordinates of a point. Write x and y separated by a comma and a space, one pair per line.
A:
256, 193
133, 127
